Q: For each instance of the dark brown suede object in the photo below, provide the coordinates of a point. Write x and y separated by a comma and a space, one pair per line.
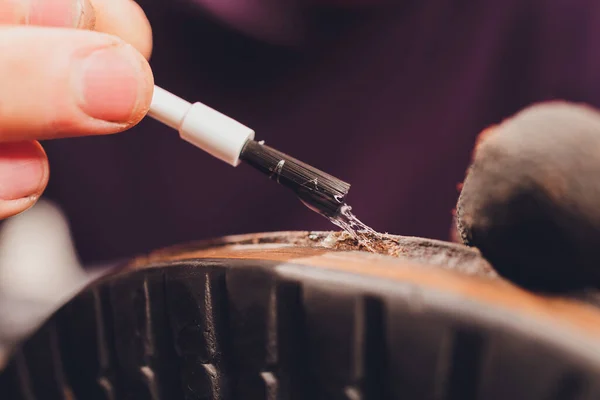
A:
530, 199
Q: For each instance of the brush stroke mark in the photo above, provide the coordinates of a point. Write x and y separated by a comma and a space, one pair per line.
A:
277, 170
314, 181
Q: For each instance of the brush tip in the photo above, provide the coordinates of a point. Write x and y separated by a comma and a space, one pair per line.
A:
321, 192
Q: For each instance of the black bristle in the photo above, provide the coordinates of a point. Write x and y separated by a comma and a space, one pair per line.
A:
319, 191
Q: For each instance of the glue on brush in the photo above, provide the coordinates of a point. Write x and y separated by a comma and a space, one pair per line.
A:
232, 142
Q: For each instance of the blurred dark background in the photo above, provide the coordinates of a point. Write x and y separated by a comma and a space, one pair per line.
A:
387, 95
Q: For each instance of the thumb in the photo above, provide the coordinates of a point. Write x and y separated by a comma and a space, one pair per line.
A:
24, 174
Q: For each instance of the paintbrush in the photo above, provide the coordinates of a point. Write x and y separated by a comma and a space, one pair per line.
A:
232, 142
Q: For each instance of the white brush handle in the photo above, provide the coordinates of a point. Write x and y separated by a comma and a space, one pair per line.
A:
208, 129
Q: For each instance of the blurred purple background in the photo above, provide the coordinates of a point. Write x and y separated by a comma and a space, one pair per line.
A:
388, 96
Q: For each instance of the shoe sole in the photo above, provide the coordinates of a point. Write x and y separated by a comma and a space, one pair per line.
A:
275, 317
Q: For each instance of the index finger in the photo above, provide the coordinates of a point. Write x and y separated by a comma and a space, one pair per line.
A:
125, 19
51, 13
122, 18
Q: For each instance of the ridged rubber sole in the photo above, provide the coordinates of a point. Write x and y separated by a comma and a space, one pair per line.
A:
246, 329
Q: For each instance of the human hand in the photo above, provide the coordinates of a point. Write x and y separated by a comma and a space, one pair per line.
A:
61, 77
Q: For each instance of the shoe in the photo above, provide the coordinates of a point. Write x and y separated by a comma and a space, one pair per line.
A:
299, 315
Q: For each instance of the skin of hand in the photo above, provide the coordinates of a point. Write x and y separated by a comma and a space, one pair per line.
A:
67, 68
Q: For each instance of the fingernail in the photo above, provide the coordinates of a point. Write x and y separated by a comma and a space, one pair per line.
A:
110, 83
57, 13
22, 170
86, 16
